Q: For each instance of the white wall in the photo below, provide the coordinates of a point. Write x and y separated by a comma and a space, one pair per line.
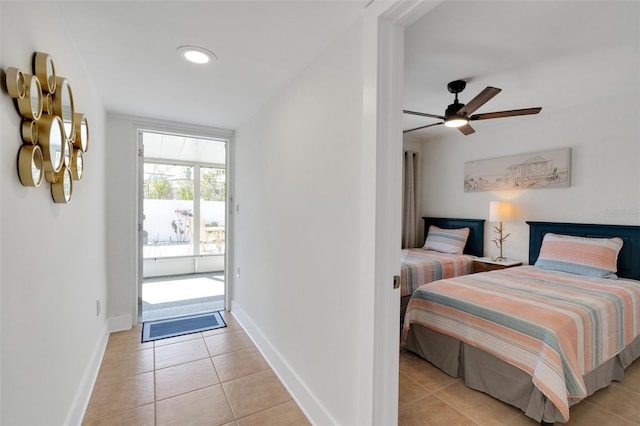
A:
53, 266
603, 135
300, 182
122, 217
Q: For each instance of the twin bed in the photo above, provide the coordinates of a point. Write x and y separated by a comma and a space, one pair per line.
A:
544, 336
421, 265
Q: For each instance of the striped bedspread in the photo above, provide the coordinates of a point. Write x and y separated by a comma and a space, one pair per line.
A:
420, 266
553, 325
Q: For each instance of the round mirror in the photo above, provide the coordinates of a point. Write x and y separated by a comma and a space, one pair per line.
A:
81, 140
16, 85
77, 164
67, 154
47, 105
63, 106
30, 106
63, 187
30, 165
30, 131
53, 142
46, 72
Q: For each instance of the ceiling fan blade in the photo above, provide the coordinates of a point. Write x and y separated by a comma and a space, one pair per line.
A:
501, 114
466, 129
423, 114
482, 98
421, 127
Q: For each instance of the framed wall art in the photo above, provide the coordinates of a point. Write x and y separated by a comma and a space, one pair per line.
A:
543, 169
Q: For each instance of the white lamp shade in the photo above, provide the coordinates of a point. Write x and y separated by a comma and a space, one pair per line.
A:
501, 211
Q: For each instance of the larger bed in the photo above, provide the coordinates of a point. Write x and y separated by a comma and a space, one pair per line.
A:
538, 339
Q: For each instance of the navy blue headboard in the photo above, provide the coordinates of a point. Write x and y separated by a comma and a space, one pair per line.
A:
628, 258
475, 241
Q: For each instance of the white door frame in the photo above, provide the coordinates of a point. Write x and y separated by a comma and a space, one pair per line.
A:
151, 125
390, 83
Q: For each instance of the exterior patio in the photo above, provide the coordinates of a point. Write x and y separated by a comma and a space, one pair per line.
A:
167, 297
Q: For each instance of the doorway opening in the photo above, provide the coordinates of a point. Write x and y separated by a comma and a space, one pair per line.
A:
182, 225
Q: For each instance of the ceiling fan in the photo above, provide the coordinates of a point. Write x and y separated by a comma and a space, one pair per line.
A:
459, 115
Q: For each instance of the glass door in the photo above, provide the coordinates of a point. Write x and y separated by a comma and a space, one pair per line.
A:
183, 204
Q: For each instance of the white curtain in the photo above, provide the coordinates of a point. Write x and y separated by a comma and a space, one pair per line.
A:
410, 199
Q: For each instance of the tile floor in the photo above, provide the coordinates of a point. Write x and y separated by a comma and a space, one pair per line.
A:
219, 378
430, 397
216, 377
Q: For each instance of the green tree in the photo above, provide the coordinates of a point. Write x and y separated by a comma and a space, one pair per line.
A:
212, 184
158, 188
185, 193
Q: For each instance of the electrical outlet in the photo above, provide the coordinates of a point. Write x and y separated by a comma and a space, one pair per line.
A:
98, 307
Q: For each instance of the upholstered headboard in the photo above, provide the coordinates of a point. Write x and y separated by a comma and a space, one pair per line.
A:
628, 258
475, 241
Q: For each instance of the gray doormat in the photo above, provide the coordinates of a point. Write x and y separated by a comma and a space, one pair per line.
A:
163, 329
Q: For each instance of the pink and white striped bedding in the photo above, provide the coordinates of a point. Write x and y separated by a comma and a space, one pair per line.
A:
420, 266
555, 326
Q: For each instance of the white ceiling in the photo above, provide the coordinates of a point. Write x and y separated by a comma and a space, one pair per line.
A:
163, 146
552, 54
549, 54
129, 49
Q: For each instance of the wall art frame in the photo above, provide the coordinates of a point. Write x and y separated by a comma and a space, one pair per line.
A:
542, 169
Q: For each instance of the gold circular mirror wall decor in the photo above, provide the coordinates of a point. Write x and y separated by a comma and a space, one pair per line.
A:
61, 189
30, 168
45, 70
52, 141
63, 106
81, 140
54, 136
16, 84
30, 131
30, 106
77, 164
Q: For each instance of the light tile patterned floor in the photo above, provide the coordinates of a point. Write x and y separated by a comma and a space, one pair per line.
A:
220, 378
210, 378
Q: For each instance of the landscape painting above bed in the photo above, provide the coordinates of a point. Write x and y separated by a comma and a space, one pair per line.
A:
539, 339
544, 169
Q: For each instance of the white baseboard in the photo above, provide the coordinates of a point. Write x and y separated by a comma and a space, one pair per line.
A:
83, 394
120, 323
306, 400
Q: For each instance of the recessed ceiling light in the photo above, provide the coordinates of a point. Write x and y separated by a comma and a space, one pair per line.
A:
197, 55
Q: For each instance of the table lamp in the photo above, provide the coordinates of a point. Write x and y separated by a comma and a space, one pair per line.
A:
500, 211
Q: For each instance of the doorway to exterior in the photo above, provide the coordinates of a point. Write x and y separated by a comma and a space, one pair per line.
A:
182, 224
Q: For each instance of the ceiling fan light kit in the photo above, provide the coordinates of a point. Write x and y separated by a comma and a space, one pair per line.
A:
456, 121
458, 115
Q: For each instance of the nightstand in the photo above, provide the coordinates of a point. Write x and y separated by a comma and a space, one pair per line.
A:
484, 264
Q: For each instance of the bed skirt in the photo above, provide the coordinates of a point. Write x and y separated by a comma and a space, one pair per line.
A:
404, 302
486, 373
